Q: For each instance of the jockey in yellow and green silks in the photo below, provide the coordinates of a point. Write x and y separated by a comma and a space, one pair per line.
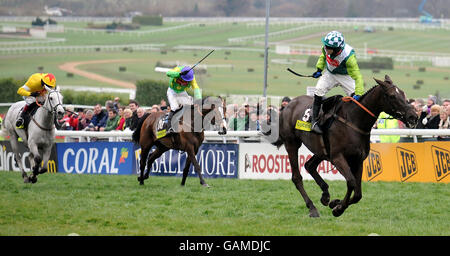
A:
182, 78
34, 87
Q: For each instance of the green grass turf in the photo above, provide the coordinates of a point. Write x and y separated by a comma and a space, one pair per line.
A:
60, 204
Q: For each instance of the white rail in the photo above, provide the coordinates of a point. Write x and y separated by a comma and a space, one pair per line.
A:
126, 135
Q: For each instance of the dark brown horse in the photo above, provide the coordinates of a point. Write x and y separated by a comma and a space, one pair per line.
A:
346, 141
188, 137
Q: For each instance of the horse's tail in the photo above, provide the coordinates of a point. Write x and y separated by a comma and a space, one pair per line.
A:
137, 133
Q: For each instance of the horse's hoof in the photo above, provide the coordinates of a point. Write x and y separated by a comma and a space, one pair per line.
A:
338, 211
334, 203
325, 199
33, 179
206, 185
314, 213
26, 180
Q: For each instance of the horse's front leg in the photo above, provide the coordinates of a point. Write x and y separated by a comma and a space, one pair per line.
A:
357, 170
343, 167
45, 158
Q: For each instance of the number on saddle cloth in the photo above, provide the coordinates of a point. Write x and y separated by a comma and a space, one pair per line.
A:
329, 107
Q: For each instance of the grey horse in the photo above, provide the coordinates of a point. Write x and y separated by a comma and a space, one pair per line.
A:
38, 136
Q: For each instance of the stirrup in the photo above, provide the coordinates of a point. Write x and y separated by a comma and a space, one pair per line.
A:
315, 128
20, 123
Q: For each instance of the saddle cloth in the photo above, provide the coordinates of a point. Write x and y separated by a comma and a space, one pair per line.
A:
329, 106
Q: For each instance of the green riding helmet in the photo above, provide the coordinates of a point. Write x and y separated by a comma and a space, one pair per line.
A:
334, 39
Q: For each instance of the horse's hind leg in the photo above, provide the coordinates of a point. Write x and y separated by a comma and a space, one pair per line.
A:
142, 163
311, 167
18, 157
292, 149
160, 149
186, 170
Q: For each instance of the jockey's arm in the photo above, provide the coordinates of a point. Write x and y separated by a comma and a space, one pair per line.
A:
355, 74
197, 92
321, 61
174, 73
23, 92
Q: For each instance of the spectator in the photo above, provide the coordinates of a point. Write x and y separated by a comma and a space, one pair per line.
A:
254, 122
444, 119
86, 120
432, 122
155, 109
140, 112
116, 103
163, 105
240, 122
99, 119
444, 123
127, 114
285, 102
70, 120
134, 105
121, 124
431, 101
113, 121
386, 121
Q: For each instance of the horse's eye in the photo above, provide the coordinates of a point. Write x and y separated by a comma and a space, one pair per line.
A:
51, 98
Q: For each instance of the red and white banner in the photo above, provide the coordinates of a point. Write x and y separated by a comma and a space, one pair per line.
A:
265, 161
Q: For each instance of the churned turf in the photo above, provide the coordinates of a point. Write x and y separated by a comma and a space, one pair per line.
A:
60, 204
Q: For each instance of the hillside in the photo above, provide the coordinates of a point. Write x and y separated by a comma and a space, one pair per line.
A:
279, 8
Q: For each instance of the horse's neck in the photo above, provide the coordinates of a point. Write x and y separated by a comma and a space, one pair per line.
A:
43, 116
372, 102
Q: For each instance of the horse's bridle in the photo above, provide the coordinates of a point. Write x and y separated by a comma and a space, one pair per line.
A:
52, 109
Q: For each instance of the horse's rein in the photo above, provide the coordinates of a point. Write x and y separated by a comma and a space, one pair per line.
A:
348, 98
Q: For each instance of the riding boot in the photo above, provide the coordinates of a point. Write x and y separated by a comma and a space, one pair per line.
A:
315, 115
169, 128
21, 120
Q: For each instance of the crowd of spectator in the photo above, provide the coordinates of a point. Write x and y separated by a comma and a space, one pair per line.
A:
432, 115
240, 117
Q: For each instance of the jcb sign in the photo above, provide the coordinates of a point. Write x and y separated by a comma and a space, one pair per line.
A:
407, 162
373, 165
441, 162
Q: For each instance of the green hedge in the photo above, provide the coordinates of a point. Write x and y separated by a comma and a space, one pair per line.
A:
90, 99
9, 89
149, 92
374, 63
148, 20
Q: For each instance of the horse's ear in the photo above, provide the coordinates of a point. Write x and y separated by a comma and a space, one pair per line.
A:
382, 83
388, 79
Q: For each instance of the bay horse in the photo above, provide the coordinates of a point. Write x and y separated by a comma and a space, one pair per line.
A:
188, 135
346, 141
38, 135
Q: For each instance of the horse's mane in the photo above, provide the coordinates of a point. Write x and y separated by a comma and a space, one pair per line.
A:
369, 91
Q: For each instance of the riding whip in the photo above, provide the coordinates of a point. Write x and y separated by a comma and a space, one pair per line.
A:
297, 74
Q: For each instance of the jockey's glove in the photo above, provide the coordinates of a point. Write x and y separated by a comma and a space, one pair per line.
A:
35, 94
356, 97
317, 74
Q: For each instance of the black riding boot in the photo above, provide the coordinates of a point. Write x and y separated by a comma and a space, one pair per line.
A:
315, 115
169, 128
21, 120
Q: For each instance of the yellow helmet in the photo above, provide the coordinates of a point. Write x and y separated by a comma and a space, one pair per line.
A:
49, 80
